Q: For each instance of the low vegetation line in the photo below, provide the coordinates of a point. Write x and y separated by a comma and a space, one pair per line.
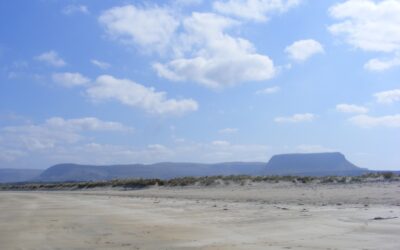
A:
199, 181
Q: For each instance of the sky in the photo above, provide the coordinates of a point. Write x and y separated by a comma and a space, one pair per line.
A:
114, 82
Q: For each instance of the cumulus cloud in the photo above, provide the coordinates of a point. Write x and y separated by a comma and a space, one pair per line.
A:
367, 24
351, 108
51, 58
296, 118
304, 49
256, 10
228, 131
151, 28
388, 97
366, 121
69, 79
100, 64
371, 26
268, 91
197, 48
379, 65
133, 94
211, 57
71, 9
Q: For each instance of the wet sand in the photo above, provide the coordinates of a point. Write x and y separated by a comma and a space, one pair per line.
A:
265, 216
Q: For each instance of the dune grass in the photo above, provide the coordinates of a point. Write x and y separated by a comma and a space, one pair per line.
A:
202, 181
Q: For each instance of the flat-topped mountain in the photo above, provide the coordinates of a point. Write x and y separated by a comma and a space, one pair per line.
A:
312, 164
315, 164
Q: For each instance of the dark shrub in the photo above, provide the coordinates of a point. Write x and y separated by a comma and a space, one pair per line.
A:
388, 175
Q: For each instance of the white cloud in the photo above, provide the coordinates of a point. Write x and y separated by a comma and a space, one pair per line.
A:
53, 141
54, 146
16, 69
150, 28
37, 137
86, 123
216, 151
53, 132
10, 155
366, 121
136, 95
388, 97
214, 58
257, 10
96, 153
267, 91
303, 49
350, 108
370, 26
228, 131
71, 9
100, 64
305, 148
367, 24
69, 79
198, 48
52, 58
220, 143
306, 117
157, 147
379, 65
183, 3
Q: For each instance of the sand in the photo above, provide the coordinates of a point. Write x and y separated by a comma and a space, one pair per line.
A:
264, 216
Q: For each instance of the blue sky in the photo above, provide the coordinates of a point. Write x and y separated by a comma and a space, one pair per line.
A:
106, 82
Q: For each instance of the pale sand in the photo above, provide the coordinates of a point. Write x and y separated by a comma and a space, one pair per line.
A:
266, 216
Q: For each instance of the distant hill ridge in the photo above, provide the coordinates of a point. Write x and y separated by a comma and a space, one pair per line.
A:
164, 170
18, 175
313, 164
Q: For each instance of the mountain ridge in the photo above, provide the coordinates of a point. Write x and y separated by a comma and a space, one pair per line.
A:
302, 164
165, 170
18, 175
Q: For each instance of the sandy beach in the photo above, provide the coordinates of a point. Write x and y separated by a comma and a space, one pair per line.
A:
263, 216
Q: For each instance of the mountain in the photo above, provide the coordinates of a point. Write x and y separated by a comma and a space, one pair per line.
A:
315, 164
18, 175
165, 170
